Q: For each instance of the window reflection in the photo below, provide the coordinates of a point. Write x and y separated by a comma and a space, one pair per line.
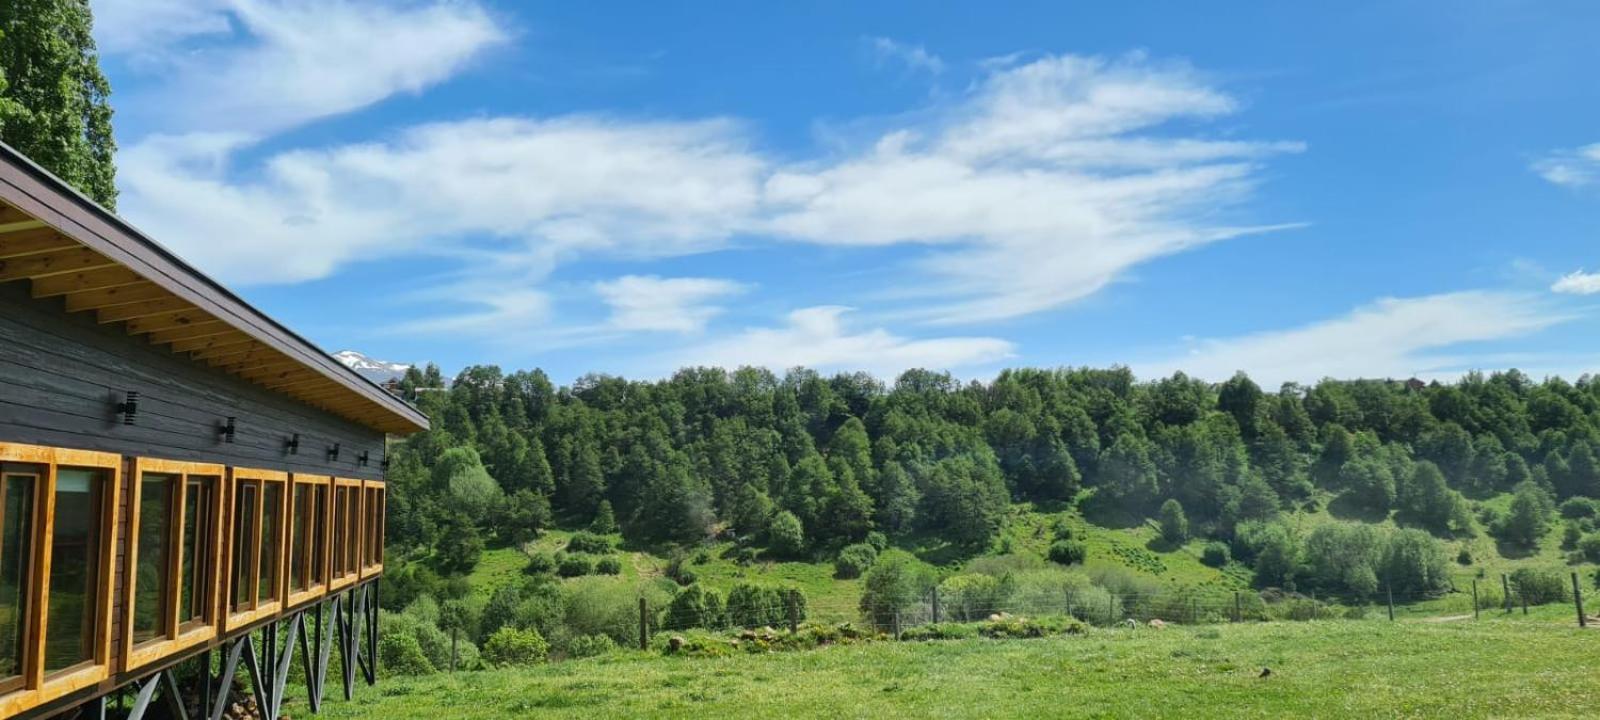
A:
74, 568
17, 488
152, 567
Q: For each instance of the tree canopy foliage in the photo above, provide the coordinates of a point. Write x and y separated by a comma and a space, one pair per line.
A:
802, 463
54, 101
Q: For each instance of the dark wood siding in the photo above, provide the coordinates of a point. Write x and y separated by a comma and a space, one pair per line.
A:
62, 374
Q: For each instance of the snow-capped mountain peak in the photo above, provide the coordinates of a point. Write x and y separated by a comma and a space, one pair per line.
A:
377, 371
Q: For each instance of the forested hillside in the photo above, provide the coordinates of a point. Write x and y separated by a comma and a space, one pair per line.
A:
805, 466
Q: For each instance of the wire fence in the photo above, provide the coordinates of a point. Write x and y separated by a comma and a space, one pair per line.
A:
1099, 607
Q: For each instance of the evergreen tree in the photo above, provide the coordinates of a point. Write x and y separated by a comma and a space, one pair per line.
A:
54, 103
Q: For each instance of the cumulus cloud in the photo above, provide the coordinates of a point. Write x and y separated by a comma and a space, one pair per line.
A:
650, 303
1393, 337
914, 57
1577, 282
821, 338
1571, 168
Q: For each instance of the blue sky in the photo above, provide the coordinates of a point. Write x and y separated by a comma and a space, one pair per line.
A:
1389, 189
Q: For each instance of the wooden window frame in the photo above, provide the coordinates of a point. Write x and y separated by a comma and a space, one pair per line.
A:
318, 586
38, 687
374, 498
178, 636
233, 620
352, 535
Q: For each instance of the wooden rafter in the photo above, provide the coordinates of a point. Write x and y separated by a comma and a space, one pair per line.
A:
86, 280
58, 262
32, 242
226, 352
281, 362
147, 308
167, 321
201, 336
111, 297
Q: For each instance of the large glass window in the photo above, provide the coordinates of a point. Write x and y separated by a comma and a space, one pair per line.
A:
74, 605
199, 498
18, 490
299, 537
152, 568
341, 534
173, 562
307, 534
271, 522
244, 537
259, 512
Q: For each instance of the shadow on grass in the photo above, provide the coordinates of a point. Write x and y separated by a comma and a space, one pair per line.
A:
1103, 511
1346, 507
1514, 551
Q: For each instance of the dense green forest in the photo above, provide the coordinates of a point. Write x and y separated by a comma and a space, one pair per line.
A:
808, 466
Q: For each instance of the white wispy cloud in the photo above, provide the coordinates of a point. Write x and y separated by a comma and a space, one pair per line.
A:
820, 337
914, 57
1425, 336
256, 67
1043, 184
1577, 282
1038, 186
1571, 168
650, 303
528, 193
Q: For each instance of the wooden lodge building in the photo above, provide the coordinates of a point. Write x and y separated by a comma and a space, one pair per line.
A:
179, 474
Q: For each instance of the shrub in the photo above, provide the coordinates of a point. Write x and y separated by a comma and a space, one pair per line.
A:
878, 541
1062, 528
1579, 507
786, 536
1068, 552
511, 647
584, 646
590, 544
969, 597
1464, 557
694, 607
854, 560
573, 566
897, 583
610, 606
540, 563
401, 654
1529, 517
1215, 554
694, 644
1174, 524
1589, 546
1571, 533
608, 565
1539, 586
1008, 626
751, 605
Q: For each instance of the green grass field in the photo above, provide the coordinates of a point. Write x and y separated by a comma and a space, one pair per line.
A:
1536, 666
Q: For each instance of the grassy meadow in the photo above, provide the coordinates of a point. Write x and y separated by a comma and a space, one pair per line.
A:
1540, 665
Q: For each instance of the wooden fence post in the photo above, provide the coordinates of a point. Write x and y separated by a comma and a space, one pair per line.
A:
1474, 598
1390, 589
1577, 596
1505, 589
794, 611
936, 617
644, 625
1238, 608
